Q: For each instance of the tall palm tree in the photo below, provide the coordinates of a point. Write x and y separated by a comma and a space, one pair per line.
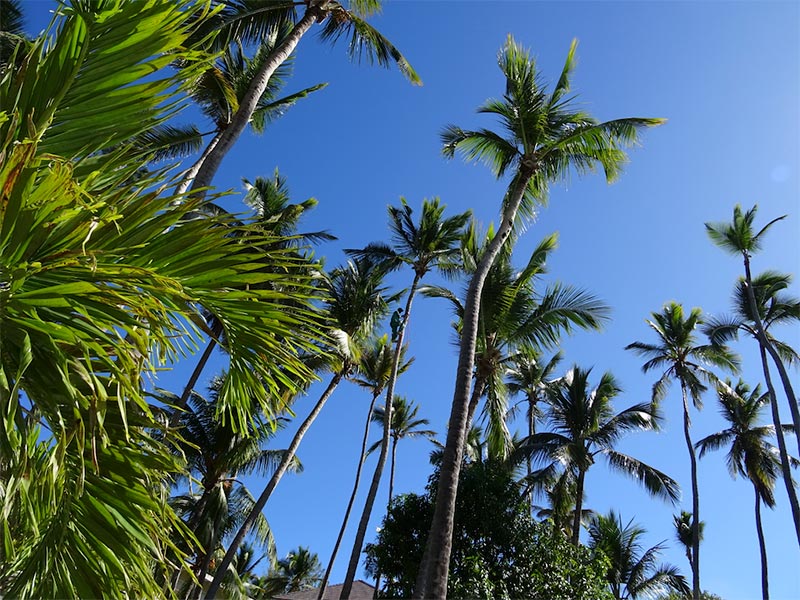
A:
749, 453
405, 424
217, 455
428, 244
632, 572
515, 316
774, 308
683, 359
530, 375
356, 302
374, 372
544, 137
583, 425
739, 237
248, 22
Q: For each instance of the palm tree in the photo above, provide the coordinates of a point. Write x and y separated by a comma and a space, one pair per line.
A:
221, 87
583, 425
514, 317
218, 455
355, 303
632, 572
750, 454
405, 424
530, 376
739, 237
374, 372
245, 22
685, 534
774, 308
300, 570
426, 245
110, 280
546, 138
682, 359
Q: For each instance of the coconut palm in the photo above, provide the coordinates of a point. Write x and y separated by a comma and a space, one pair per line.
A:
374, 372
300, 570
217, 455
105, 279
356, 301
775, 308
685, 534
583, 425
430, 243
544, 137
513, 317
739, 237
405, 424
681, 358
749, 452
632, 572
246, 22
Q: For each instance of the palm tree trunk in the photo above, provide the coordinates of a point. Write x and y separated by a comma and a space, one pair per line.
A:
531, 430
762, 547
358, 544
433, 571
227, 138
273, 482
187, 390
782, 451
576, 519
695, 562
765, 343
362, 458
391, 470
477, 392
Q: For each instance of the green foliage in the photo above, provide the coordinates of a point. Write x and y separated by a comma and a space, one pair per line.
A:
499, 551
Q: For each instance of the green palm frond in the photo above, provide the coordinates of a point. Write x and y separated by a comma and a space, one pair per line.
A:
739, 236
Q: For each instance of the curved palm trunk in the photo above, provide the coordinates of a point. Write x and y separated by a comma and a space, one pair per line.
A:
273, 482
532, 400
358, 544
174, 420
762, 547
764, 342
477, 392
576, 519
224, 141
695, 561
782, 451
433, 573
324, 584
391, 470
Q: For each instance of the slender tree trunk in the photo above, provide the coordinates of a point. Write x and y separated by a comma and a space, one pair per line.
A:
191, 172
273, 482
225, 140
477, 392
175, 419
762, 547
432, 577
576, 519
391, 471
695, 562
362, 458
782, 451
532, 400
358, 544
765, 343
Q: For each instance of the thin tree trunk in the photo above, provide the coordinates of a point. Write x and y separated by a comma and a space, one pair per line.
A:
762, 547
247, 106
764, 342
477, 392
391, 471
175, 419
576, 519
782, 451
532, 400
324, 584
433, 572
695, 562
361, 533
273, 482
191, 172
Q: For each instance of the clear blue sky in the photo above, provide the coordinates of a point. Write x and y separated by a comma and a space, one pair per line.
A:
725, 74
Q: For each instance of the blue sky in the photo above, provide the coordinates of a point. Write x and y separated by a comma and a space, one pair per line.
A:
726, 75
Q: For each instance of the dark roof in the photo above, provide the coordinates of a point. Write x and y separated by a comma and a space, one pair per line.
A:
361, 591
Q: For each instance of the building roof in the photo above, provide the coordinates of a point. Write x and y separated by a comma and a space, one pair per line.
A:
361, 591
